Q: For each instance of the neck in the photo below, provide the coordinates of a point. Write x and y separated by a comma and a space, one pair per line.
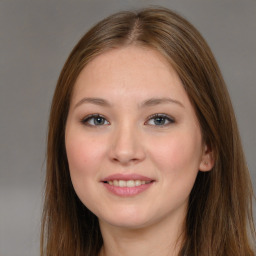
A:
155, 240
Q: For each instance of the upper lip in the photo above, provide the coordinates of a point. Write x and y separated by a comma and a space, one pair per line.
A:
132, 176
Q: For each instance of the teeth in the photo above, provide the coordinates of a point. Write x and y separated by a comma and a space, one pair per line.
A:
122, 183
128, 183
137, 182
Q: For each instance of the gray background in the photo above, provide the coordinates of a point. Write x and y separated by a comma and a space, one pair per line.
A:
35, 40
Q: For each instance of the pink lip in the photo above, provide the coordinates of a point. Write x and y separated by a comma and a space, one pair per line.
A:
127, 191
133, 176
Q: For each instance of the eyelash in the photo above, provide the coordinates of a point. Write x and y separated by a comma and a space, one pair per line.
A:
164, 117
93, 117
86, 120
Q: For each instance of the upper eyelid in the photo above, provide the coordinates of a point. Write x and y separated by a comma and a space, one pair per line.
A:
170, 121
161, 115
88, 117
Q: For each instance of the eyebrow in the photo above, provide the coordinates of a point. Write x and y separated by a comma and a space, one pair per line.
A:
147, 103
156, 101
96, 101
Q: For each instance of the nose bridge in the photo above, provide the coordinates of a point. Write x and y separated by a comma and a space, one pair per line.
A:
126, 145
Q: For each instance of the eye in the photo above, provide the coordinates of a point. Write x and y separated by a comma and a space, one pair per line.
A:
160, 120
95, 120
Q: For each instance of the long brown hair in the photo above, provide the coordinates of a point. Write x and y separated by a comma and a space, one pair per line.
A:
219, 219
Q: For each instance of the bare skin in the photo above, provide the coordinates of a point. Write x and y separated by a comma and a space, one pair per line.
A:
130, 115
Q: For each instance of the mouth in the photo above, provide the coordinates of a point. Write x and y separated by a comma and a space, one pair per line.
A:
128, 183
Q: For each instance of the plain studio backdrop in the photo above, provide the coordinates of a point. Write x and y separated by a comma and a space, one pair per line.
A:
35, 40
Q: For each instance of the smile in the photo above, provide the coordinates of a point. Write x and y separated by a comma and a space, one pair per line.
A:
128, 183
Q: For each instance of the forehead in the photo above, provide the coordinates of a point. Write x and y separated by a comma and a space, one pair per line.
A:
127, 68
137, 53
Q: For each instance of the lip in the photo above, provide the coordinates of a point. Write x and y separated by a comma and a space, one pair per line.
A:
126, 177
127, 191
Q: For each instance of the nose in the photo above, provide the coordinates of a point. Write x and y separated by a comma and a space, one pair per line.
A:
127, 146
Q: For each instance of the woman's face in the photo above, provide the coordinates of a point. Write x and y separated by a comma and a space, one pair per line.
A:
133, 141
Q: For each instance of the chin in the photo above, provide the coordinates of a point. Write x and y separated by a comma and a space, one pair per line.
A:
128, 220
129, 225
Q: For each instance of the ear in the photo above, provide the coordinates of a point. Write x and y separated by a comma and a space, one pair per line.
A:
207, 160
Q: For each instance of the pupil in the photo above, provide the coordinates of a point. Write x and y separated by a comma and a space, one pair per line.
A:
98, 120
159, 120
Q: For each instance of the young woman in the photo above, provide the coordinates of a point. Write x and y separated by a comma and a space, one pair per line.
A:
144, 155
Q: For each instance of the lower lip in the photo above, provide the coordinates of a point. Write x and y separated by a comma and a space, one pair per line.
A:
127, 191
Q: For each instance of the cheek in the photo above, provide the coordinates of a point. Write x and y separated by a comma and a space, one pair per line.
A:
84, 157
83, 154
177, 163
178, 154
